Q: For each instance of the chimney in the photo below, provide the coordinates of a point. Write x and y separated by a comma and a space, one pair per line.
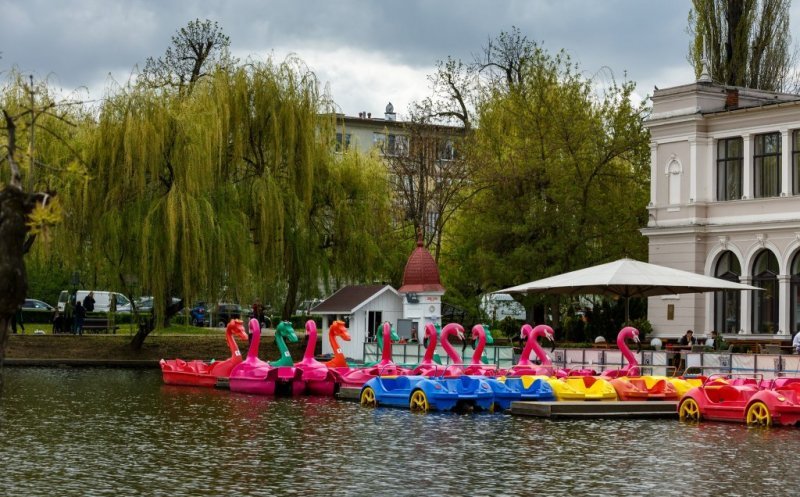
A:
731, 98
369, 115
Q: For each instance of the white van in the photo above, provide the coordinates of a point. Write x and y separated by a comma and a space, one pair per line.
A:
102, 300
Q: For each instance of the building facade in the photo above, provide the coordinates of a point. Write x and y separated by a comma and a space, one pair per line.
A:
725, 202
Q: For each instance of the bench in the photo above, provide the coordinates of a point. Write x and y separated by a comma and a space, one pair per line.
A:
99, 324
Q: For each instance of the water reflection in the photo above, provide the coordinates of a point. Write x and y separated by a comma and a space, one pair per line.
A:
106, 432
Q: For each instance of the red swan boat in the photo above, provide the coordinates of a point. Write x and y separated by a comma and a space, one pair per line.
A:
205, 374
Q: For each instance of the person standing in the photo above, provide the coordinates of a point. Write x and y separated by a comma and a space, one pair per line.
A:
58, 322
79, 314
88, 302
18, 321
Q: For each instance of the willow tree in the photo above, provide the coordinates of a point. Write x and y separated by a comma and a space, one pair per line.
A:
236, 181
743, 42
565, 177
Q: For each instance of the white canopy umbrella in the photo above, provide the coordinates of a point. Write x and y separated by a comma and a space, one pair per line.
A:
627, 278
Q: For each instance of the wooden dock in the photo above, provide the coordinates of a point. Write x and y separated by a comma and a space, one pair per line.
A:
566, 409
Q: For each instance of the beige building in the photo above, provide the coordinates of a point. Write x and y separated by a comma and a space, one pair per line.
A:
725, 202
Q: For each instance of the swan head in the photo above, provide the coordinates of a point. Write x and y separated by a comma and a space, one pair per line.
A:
236, 328
285, 330
545, 331
477, 330
338, 329
525, 331
430, 330
311, 327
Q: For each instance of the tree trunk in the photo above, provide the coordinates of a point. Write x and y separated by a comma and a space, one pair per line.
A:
15, 205
291, 296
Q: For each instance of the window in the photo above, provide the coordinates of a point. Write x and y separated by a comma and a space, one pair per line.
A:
391, 145
765, 303
727, 303
767, 165
447, 151
342, 142
729, 169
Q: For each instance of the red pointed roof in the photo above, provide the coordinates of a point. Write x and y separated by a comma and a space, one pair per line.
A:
421, 273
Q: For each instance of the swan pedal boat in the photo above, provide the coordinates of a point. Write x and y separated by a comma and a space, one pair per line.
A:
525, 388
756, 403
644, 388
205, 374
577, 388
422, 394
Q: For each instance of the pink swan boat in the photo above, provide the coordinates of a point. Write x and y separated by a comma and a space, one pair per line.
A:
632, 369
250, 376
427, 367
627, 381
357, 377
337, 329
476, 367
202, 374
318, 379
524, 366
456, 364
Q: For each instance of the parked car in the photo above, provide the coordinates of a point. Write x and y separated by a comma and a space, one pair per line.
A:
37, 311
223, 313
38, 305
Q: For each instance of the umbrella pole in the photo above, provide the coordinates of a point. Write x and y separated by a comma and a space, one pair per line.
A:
627, 310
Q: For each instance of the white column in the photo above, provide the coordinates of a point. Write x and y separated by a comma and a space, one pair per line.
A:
745, 320
786, 160
747, 167
653, 172
707, 187
784, 304
693, 164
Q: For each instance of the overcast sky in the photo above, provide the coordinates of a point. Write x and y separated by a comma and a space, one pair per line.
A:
368, 52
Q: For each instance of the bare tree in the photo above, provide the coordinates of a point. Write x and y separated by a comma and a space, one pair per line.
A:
431, 176
507, 58
453, 85
196, 49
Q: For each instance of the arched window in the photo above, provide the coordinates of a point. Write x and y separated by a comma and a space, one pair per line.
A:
765, 303
727, 303
795, 292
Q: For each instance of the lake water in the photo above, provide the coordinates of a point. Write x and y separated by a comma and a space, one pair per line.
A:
104, 432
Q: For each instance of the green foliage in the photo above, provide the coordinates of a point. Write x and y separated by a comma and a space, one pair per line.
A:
47, 275
564, 174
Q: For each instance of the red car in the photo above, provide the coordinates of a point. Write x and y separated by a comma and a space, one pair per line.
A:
754, 401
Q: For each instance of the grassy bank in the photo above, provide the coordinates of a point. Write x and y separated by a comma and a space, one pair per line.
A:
202, 345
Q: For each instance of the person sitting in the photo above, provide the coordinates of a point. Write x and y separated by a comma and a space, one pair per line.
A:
688, 339
714, 341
